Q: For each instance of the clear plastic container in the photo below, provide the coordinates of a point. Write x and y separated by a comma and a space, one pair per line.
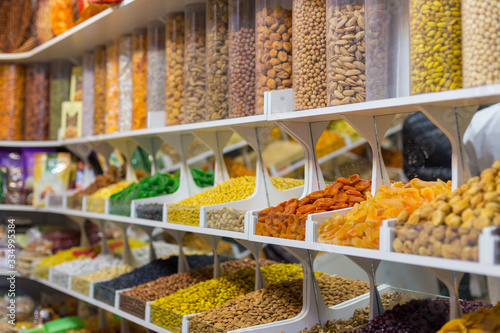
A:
273, 48
88, 94
481, 43
139, 78
194, 63
100, 90
435, 46
36, 106
125, 69
217, 59
309, 54
174, 53
383, 18
12, 95
112, 86
60, 76
156, 66
346, 56
241, 75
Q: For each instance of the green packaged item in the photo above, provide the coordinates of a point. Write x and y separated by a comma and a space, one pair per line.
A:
65, 324
35, 330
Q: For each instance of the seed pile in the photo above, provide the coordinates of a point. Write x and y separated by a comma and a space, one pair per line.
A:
276, 302
435, 46
81, 284
346, 54
309, 54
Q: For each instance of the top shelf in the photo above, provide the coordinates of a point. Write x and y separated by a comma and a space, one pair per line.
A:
99, 29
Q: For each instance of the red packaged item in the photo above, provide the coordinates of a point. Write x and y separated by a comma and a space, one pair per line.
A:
105, 1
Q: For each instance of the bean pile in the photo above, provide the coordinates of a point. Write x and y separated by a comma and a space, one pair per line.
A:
226, 219
481, 49
436, 46
36, 112
309, 54
275, 303
217, 59
188, 211
273, 52
450, 225
105, 291
81, 284
241, 75
100, 90
134, 300
112, 86
361, 316
346, 54
12, 81
174, 53
139, 78
194, 64
425, 316
288, 219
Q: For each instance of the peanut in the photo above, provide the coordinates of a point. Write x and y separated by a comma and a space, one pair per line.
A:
174, 54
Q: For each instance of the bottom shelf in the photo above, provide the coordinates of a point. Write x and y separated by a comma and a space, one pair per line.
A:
103, 306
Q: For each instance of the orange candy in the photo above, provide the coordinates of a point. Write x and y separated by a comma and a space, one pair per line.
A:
361, 226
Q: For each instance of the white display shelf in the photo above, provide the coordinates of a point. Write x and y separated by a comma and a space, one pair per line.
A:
384, 253
98, 30
282, 104
103, 306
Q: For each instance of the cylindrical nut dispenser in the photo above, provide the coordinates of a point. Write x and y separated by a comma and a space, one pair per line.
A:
112, 86
100, 90
37, 102
156, 66
241, 75
481, 42
12, 95
139, 78
273, 48
194, 63
309, 54
125, 69
174, 53
435, 46
60, 76
217, 59
88, 93
345, 51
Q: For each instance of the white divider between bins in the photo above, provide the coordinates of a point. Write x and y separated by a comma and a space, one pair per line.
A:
387, 235
117, 297
147, 313
488, 246
156, 119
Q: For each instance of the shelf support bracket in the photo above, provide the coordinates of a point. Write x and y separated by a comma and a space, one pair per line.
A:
451, 279
307, 135
453, 122
373, 129
149, 231
127, 148
127, 252
213, 241
151, 145
104, 242
370, 266
183, 265
83, 151
255, 248
217, 141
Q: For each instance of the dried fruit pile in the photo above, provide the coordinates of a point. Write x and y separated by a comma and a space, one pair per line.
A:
288, 219
361, 226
